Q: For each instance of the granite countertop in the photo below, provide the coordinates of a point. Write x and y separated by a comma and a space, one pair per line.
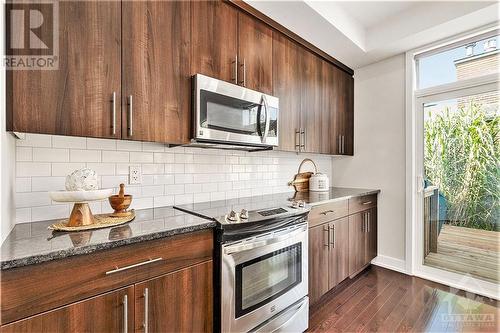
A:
218, 208
33, 243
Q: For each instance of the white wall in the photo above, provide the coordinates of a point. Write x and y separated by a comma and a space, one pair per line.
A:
6, 154
171, 176
379, 150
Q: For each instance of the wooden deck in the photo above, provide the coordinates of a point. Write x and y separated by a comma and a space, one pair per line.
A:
470, 251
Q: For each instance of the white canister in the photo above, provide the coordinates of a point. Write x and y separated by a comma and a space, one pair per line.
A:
319, 182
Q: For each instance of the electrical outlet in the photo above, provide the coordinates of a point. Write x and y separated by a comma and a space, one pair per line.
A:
135, 175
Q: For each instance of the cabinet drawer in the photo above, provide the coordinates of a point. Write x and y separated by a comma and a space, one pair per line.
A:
359, 204
328, 212
33, 289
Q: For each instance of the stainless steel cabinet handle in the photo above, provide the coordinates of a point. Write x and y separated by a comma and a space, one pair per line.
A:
363, 224
343, 144
327, 233
121, 269
130, 116
332, 235
235, 69
146, 310
125, 314
244, 81
368, 221
297, 142
303, 139
340, 144
366, 203
326, 212
113, 110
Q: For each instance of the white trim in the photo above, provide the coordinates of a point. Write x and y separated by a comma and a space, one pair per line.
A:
414, 243
459, 281
391, 263
459, 85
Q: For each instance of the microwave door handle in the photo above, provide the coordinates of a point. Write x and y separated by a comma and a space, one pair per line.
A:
266, 130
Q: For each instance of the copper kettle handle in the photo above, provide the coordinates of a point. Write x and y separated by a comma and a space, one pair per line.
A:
308, 160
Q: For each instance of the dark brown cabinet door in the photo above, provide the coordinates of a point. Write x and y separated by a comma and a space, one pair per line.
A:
214, 39
344, 114
318, 262
339, 251
357, 246
104, 313
75, 99
371, 235
287, 87
156, 71
311, 100
255, 54
177, 302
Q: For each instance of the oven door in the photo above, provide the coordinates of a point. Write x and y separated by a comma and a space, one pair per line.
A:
225, 112
262, 276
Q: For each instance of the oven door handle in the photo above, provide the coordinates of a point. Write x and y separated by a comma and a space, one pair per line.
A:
230, 249
266, 129
285, 318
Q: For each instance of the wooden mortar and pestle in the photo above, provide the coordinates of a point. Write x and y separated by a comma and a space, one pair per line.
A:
120, 202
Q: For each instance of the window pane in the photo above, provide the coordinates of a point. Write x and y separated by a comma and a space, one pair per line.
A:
462, 178
463, 62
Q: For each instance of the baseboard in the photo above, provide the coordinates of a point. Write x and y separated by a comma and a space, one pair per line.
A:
391, 263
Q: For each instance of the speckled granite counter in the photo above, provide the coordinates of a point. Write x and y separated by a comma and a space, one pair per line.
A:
214, 209
32, 243
335, 194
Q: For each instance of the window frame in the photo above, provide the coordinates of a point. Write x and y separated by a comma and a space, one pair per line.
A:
415, 99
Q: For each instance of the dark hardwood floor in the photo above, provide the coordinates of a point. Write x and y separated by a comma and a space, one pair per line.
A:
382, 300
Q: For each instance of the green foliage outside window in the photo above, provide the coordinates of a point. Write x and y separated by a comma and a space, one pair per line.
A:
462, 158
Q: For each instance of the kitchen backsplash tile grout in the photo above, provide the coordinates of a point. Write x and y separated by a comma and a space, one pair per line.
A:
170, 176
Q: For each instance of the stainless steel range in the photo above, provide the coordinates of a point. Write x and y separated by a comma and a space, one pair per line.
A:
261, 277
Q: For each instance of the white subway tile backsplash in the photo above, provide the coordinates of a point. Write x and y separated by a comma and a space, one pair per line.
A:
177, 175
64, 169
69, 142
35, 140
116, 156
31, 199
80, 155
141, 157
23, 184
29, 169
101, 144
24, 154
47, 183
50, 155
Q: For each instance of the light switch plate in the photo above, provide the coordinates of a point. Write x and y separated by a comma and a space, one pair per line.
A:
135, 175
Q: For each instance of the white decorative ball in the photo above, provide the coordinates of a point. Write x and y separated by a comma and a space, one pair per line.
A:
82, 180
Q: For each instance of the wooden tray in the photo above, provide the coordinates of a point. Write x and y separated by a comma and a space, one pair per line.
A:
101, 221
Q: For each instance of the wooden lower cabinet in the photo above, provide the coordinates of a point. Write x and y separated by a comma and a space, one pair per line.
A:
104, 313
328, 257
177, 302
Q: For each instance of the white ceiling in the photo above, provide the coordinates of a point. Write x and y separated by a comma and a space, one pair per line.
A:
358, 33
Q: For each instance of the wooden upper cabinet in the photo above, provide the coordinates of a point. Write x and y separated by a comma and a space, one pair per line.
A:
343, 140
156, 71
104, 313
214, 39
287, 87
311, 102
75, 99
177, 302
255, 54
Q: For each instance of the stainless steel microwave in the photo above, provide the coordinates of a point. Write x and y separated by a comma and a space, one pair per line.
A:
229, 116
